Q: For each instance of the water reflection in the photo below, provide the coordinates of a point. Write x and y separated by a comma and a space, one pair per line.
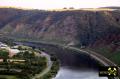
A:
72, 73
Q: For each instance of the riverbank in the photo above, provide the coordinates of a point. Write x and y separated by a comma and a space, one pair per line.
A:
68, 57
53, 71
64, 47
22, 62
52, 63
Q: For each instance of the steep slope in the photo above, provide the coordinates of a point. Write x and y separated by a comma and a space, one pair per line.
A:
78, 27
112, 7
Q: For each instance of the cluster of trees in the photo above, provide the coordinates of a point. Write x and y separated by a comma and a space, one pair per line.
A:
7, 41
4, 54
68, 8
32, 65
54, 69
21, 47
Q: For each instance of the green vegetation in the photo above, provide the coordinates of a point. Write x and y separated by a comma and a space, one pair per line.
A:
55, 67
21, 47
116, 58
6, 40
8, 77
4, 54
23, 65
106, 51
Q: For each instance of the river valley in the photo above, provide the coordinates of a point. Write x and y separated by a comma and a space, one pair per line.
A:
74, 65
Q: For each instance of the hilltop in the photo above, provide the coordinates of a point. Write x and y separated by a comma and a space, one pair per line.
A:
88, 27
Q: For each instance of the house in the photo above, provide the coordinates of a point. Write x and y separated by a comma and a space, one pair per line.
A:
3, 45
15, 60
13, 52
15, 47
1, 60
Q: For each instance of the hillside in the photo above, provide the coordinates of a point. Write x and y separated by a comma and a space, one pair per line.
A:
112, 7
77, 27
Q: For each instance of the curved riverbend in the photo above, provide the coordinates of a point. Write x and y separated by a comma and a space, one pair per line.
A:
74, 65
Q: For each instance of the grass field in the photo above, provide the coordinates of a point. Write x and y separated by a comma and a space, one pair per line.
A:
116, 58
8, 77
113, 56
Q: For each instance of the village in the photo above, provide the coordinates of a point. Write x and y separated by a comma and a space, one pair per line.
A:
11, 52
20, 61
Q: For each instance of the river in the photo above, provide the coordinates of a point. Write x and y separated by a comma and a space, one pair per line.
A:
73, 73
73, 64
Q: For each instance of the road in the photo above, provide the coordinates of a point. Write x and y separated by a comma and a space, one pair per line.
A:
49, 65
100, 58
103, 60
95, 55
5, 69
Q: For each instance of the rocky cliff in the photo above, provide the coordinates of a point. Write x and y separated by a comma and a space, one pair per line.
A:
77, 27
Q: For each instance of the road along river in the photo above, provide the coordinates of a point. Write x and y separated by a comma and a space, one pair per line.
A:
74, 65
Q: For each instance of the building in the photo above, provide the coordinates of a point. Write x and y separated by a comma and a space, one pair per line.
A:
13, 52
1, 60
2, 45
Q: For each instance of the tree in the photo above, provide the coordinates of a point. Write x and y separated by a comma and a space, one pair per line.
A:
64, 8
4, 54
28, 54
71, 8
20, 48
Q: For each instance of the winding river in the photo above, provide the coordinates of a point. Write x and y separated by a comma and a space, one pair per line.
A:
74, 65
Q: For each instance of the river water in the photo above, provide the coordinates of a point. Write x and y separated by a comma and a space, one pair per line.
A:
72, 73
66, 70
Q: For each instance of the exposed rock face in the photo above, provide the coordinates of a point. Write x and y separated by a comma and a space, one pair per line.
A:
72, 27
